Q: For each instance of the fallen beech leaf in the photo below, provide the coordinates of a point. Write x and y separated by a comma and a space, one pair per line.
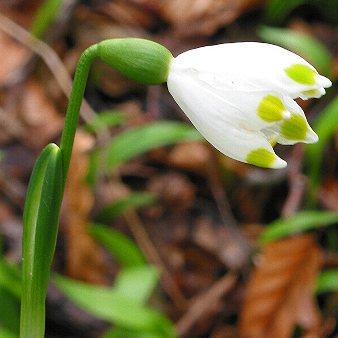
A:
85, 260
280, 292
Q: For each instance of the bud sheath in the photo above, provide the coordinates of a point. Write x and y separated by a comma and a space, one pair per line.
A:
141, 60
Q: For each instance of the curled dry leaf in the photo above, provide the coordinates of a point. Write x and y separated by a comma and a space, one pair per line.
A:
203, 17
85, 260
280, 292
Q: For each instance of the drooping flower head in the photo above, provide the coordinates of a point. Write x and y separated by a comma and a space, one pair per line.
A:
240, 96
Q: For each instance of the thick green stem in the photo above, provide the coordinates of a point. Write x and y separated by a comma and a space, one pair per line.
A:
74, 105
42, 208
141, 60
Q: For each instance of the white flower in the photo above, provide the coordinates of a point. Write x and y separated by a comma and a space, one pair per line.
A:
240, 96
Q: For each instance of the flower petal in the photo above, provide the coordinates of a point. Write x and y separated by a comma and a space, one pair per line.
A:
292, 129
247, 66
213, 117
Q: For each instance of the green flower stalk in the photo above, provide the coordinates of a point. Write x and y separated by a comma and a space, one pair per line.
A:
141, 60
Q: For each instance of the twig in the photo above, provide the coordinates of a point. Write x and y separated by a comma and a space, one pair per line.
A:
235, 236
202, 304
142, 238
296, 182
153, 98
48, 55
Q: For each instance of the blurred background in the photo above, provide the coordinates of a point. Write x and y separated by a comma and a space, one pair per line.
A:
161, 235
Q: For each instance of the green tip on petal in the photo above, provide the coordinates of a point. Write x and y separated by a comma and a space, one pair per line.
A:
302, 74
141, 60
271, 108
294, 128
312, 93
264, 158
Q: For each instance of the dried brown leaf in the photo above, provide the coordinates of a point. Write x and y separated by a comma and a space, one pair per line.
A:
192, 156
85, 260
175, 190
92, 27
128, 13
204, 17
280, 292
328, 194
39, 116
13, 58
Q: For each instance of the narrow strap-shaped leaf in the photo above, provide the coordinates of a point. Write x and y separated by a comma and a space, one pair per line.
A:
108, 303
328, 281
41, 218
10, 278
9, 311
303, 221
118, 207
45, 16
120, 246
141, 139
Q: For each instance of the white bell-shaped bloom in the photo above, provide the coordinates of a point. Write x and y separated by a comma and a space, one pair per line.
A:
240, 96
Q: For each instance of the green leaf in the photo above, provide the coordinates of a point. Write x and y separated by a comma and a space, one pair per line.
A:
10, 278
4, 333
137, 283
121, 332
306, 46
45, 16
109, 118
9, 311
117, 208
40, 219
303, 221
93, 168
141, 139
277, 10
110, 305
326, 125
328, 281
120, 246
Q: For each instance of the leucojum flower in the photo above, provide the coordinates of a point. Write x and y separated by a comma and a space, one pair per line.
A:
240, 96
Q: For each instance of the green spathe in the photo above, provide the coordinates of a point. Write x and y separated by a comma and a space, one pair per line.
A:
141, 60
